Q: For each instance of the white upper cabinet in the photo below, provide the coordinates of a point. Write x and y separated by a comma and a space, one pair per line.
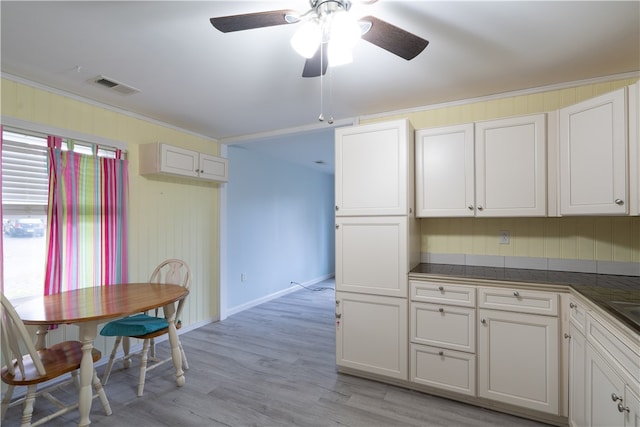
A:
445, 169
511, 167
373, 172
593, 156
165, 159
496, 169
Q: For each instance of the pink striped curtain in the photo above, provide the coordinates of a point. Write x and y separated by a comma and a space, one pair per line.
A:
1, 234
86, 221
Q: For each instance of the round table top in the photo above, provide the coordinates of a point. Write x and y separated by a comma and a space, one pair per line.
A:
96, 303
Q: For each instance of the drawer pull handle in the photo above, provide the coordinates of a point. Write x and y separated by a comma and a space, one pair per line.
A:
615, 397
516, 293
441, 310
622, 408
572, 305
441, 353
441, 288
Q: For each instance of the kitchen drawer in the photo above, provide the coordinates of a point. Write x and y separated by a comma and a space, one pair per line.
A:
619, 351
443, 326
445, 369
443, 293
578, 314
519, 300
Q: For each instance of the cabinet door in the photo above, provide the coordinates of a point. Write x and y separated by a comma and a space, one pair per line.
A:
213, 168
178, 161
593, 156
631, 408
518, 359
371, 255
373, 169
371, 334
511, 167
603, 387
445, 171
577, 377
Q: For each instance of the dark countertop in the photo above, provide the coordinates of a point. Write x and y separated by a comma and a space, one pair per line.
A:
602, 289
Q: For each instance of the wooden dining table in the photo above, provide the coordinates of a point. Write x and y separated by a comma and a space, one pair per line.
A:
89, 307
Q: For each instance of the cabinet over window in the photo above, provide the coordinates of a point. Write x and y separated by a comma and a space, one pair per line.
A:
165, 159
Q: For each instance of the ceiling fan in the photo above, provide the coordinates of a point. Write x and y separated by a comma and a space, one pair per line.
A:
316, 38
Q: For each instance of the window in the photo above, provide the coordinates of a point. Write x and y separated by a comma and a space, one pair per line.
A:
25, 185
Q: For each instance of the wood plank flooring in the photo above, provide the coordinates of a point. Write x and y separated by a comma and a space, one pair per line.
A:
271, 365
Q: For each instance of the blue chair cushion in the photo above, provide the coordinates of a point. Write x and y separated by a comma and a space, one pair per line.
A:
132, 326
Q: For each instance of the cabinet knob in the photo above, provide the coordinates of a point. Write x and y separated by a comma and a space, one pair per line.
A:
337, 226
572, 305
615, 397
441, 288
337, 208
516, 293
567, 336
441, 353
441, 310
483, 321
338, 316
470, 207
619, 202
480, 208
622, 408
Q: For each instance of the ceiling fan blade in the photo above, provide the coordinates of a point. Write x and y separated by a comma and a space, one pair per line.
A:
248, 21
394, 39
312, 65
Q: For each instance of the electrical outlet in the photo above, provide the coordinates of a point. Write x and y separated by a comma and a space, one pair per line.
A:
504, 237
243, 277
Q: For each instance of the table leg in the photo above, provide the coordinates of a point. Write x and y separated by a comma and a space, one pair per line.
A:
88, 332
41, 336
176, 356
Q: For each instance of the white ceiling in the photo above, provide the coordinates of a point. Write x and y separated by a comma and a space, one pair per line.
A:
247, 85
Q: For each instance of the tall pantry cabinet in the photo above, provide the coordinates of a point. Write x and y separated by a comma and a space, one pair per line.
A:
377, 244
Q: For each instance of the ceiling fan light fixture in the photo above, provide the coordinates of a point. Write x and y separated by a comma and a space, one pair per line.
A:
344, 29
338, 54
307, 38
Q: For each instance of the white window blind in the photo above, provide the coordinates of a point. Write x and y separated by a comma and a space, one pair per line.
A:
25, 180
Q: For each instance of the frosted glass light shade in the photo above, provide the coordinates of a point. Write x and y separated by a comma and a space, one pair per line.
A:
345, 29
338, 54
306, 40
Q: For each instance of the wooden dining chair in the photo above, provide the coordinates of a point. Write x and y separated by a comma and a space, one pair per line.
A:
147, 327
39, 366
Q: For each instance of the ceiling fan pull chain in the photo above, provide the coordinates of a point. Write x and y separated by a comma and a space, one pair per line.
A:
330, 121
321, 116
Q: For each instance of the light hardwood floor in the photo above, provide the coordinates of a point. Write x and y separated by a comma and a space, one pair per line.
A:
271, 365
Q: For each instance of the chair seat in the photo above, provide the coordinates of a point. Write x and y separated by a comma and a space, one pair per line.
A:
57, 360
134, 326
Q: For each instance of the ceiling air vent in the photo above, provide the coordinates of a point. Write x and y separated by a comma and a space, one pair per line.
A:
115, 85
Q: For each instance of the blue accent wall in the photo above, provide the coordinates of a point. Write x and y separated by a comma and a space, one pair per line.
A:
280, 226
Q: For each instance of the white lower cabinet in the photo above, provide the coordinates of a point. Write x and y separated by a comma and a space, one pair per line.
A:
577, 378
604, 370
442, 332
442, 368
371, 334
518, 359
610, 402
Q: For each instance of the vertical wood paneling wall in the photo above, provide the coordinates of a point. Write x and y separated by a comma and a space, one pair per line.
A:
169, 217
585, 238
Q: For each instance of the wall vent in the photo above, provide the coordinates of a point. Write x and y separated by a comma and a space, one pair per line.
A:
115, 85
